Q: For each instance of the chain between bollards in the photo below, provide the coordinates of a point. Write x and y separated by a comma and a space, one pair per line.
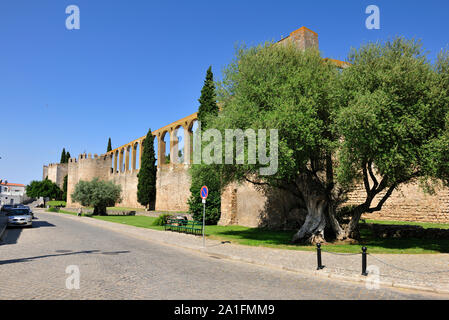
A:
364, 273
318, 253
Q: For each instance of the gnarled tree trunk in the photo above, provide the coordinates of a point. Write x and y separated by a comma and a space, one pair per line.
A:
317, 203
312, 231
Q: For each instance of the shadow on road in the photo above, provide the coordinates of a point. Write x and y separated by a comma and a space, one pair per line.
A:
11, 236
13, 233
40, 224
66, 253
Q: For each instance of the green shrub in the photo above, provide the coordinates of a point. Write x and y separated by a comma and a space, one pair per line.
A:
205, 175
53, 209
161, 220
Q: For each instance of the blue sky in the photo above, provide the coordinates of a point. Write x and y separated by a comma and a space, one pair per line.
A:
140, 64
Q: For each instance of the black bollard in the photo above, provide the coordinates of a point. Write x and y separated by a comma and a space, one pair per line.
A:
318, 254
364, 273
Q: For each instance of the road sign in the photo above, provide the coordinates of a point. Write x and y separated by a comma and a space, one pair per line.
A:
204, 192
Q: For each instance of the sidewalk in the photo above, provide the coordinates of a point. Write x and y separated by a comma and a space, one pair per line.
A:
427, 272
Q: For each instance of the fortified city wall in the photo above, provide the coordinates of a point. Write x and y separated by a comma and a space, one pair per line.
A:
241, 204
56, 172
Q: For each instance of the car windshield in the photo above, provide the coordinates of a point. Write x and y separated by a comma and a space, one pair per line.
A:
17, 212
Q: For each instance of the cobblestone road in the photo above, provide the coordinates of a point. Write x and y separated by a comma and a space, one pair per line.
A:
33, 265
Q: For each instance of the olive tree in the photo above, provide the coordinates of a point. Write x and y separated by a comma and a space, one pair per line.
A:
98, 194
381, 122
393, 121
280, 87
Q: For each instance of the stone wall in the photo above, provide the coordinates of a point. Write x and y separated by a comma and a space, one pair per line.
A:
243, 204
408, 203
172, 188
172, 184
86, 168
128, 181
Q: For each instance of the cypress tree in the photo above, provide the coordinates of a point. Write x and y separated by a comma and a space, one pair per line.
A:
203, 174
63, 156
208, 99
67, 157
109, 145
146, 187
64, 188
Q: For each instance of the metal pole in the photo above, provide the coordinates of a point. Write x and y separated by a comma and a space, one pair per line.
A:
204, 220
318, 254
364, 273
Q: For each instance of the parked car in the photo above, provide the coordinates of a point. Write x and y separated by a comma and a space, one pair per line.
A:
6, 207
19, 217
24, 207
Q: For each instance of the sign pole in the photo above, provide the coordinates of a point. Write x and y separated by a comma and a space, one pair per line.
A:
204, 192
204, 221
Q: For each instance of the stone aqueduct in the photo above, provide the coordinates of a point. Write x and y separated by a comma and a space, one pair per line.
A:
240, 203
125, 158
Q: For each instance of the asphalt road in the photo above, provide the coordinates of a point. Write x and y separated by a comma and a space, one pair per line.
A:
33, 265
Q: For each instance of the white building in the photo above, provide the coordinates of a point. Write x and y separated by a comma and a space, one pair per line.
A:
12, 193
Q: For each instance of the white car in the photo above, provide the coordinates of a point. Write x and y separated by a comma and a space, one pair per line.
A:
19, 217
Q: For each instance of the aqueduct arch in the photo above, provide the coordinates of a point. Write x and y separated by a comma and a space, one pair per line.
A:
129, 159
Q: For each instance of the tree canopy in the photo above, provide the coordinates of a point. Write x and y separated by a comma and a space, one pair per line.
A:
208, 99
146, 187
65, 156
200, 173
45, 188
98, 194
381, 122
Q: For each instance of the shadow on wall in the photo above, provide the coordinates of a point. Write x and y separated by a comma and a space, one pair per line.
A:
282, 210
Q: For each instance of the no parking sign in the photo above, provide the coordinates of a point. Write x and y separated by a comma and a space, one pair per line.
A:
204, 192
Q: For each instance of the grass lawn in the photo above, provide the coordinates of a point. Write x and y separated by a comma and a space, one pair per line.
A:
281, 239
55, 203
426, 225
124, 209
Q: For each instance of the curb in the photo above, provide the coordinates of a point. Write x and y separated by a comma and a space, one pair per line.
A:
3, 228
354, 279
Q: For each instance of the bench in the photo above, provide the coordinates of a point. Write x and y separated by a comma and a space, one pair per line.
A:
182, 225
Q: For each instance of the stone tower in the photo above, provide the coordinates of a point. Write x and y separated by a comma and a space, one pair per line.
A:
303, 38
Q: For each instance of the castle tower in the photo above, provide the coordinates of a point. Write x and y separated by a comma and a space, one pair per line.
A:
303, 38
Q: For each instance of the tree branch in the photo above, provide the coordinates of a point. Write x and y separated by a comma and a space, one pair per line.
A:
371, 173
365, 180
257, 183
382, 201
